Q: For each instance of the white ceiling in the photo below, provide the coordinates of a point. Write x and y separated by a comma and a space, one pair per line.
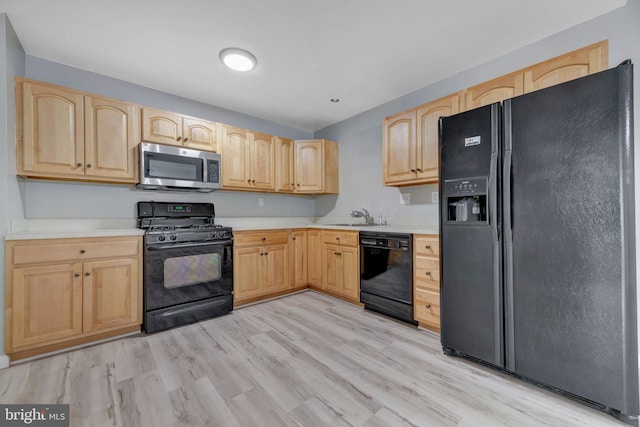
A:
365, 52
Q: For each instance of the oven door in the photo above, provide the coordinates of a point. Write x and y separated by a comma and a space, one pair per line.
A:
186, 272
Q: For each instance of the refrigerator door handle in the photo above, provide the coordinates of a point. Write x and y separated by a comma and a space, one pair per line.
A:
507, 234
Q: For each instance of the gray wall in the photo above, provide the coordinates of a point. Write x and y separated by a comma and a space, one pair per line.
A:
360, 137
11, 188
54, 199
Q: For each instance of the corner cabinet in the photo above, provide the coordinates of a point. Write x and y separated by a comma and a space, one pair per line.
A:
65, 292
164, 127
260, 265
299, 258
284, 165
65, 134
316, 167
410, 143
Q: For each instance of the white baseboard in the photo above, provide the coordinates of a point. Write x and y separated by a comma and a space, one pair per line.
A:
4, 361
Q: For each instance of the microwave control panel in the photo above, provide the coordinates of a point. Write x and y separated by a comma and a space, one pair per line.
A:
213, 171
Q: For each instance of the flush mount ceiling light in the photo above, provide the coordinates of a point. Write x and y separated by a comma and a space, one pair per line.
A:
238, 59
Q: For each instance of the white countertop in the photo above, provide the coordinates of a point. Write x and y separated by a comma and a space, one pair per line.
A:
253, 224
25, 229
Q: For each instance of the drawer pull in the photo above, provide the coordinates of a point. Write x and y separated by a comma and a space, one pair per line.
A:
427, 305
82, 251
337, 238
428, 273
264, 238
427, 247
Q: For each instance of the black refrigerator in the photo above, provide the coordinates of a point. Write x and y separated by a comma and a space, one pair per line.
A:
538, 239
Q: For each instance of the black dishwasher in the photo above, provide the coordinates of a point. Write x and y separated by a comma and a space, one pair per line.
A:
386, 274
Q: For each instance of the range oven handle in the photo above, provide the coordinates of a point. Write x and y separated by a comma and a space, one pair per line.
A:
189, 245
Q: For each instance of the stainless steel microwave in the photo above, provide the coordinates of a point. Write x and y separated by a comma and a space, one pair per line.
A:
164, 167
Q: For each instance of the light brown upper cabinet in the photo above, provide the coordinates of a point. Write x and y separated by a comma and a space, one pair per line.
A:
284, 165
410, 143
563, 68
164, 127
248, 160
316, 166
410, 139
495, 90
66, 134
579, 63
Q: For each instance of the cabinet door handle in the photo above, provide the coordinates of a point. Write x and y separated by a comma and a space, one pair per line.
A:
186, 138
89, 165
298, 185
266, 253
261, 253
76, 275
427, 305
249, 181
79, 165
293, 238
87, 274
179, 138
419, 170
413, 170
253, 181
82, 251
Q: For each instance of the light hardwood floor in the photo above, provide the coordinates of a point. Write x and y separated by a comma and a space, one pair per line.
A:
306, 359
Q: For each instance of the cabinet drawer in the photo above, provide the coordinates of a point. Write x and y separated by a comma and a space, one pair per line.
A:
427, 307
50, 251
427, 269
335, 237
426, 245
260, 238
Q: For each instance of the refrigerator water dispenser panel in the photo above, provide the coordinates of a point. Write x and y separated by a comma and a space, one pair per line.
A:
466, 200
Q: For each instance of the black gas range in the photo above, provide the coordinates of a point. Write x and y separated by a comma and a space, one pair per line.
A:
188, 264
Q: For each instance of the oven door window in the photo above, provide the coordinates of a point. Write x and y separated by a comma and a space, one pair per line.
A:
192, 269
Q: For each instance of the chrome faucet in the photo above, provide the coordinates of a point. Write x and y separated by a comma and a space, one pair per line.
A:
361, 214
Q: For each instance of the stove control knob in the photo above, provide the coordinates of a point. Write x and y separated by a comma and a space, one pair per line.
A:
161, 238
173, 237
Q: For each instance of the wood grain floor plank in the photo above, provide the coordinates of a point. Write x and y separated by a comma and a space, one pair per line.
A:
302, 360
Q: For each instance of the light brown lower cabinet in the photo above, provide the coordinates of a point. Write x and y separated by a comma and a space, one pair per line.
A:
314, 264
260, 265
271, 263
299, 258
64, 292
426, 281
341, 264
